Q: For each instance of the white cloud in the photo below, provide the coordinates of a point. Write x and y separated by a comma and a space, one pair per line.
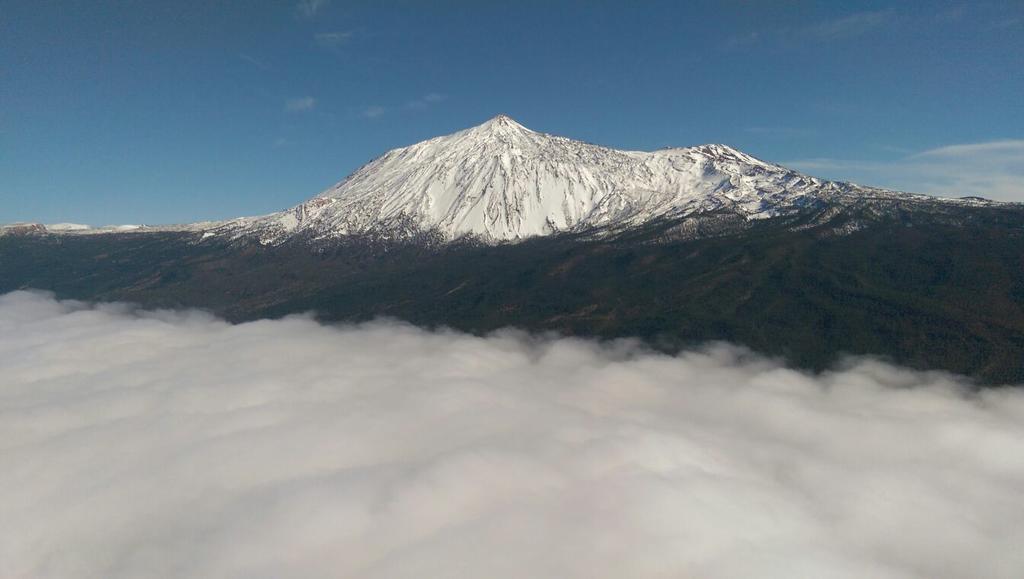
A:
1004, 150
372, 112
992, 169
172, 444
426, 101
300, 104
310, 8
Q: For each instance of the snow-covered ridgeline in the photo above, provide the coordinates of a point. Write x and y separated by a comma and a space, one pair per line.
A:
501, 182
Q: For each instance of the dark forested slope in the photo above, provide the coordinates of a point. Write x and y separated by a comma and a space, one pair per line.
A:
923, 292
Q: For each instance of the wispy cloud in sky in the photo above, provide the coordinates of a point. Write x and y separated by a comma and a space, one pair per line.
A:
172, 444
254, 61
332, 40
843, 28
993, 169
954, 13
1008, 23
417, 104
1005, 150
781, 132
310, 8
744, 39
851, 26
426, 101
372, 112
300, 104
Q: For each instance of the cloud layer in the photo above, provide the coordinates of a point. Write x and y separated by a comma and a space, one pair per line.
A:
993, 169
172, 444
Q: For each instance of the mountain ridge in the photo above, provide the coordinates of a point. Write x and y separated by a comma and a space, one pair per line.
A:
501, 182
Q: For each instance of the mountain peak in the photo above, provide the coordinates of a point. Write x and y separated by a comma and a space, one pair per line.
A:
502, 118
502, 122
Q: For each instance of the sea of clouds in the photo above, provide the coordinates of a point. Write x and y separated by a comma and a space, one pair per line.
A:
172, 444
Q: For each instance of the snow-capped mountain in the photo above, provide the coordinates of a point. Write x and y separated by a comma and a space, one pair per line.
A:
677, 246
500, 182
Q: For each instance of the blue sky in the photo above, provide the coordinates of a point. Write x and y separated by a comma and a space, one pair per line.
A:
153, 112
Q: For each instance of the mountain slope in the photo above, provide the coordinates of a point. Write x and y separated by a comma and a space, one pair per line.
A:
923, 289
